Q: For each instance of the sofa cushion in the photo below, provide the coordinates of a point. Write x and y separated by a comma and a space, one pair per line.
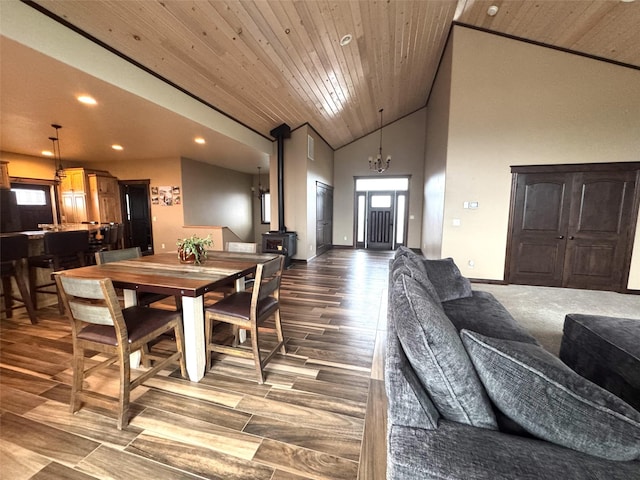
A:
455, 451
447, 279
435, 351
483, 313
413, 266
551, 401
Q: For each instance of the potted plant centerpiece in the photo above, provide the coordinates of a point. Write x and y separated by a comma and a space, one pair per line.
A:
193, 249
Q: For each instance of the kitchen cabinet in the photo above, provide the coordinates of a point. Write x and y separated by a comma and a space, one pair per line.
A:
89, 195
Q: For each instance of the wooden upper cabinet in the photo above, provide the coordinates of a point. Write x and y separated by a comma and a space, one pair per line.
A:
73, 180
89, 195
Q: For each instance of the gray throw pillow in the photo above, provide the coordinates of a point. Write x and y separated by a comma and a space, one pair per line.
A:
436, 354
447, 279
405, 265
549, 400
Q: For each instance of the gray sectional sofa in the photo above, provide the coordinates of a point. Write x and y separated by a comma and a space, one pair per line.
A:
472, 395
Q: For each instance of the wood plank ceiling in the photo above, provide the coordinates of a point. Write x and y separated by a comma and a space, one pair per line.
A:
266, 62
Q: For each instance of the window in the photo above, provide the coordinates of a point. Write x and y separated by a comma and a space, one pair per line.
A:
265, 208
25, 196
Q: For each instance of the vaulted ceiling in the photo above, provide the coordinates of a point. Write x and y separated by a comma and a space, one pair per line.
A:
265, 62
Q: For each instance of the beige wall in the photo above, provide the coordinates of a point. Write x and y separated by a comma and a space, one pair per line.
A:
167, 222
217, 196
436, 159
25, 166
514, 103
300, 176
404, 141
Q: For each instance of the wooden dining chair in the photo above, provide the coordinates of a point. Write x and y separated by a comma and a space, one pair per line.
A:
144, 298
249, 311
98, 324
62, 251
14, 249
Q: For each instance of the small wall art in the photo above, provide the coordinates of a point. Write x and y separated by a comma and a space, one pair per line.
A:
165, 195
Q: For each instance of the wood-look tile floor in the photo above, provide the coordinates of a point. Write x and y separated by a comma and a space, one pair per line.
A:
320, 415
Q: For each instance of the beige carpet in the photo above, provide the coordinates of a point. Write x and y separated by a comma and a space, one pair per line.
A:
541, 310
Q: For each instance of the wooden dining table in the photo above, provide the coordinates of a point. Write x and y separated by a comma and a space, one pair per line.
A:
164, 273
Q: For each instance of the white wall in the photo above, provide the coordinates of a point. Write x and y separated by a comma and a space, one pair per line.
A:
514, 103
404, 141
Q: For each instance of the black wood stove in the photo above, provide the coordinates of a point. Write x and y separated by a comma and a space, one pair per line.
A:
280, 241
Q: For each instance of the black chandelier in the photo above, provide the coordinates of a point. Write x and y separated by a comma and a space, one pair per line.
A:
57, 159
261, 189
377, 164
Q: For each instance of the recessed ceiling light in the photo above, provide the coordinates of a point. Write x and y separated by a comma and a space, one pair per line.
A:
87, 100
115, 146
346, 40
492, 10
47, 153
627, 1
199, 140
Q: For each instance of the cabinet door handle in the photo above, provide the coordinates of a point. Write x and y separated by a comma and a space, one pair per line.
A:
560, 237
571, 237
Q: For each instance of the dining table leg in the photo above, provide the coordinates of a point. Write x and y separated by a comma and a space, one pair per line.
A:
194, 347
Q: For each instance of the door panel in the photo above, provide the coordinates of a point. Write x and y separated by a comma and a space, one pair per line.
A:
541, 218
599, 230
380, 221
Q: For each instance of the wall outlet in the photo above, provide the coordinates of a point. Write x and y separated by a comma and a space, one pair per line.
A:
456, 222
163, 246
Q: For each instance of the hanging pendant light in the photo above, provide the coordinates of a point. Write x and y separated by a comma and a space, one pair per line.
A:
261, 190
57, 159
377, 164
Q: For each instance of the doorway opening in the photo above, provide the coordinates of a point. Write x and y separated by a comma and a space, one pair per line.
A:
136, 215
381, 212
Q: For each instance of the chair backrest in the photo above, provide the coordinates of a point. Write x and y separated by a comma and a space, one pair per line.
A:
113, 235
94, 301
107, 256
267, 281
66, 243
245, 247
13, 247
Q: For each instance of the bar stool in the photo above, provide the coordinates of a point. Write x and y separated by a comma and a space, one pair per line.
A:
13, 250
62, 251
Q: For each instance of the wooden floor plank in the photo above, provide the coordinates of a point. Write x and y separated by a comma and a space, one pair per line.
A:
302, 461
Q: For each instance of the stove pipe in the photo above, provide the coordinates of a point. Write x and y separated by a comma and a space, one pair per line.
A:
280, 133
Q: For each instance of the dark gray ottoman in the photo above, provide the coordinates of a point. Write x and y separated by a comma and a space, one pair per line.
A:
605, 350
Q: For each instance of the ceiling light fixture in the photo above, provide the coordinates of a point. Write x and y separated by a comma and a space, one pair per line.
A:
492, 10
261, 190
115, 146
199, 140
47, 153
57, 160
87, 100
378, 165
346, 40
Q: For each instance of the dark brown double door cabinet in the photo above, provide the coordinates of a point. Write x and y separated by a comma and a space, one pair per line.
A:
573, 225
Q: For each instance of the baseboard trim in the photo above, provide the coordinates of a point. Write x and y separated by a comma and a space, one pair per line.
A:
490, 282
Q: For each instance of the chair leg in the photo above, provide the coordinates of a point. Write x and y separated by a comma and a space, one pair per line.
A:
145, 356
8, 298
283, 349
255, 346
78, 378
33, 282
24, 293
208, 338
125, 391
179, 336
